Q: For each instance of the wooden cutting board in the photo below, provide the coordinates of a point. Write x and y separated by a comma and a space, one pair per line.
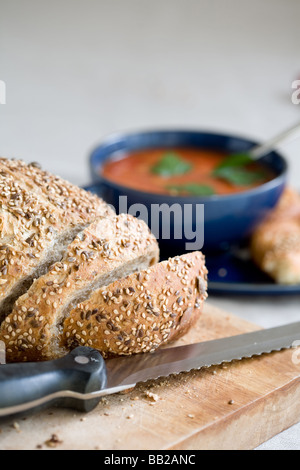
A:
234, 406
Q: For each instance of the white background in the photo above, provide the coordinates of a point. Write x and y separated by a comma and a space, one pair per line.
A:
76, 70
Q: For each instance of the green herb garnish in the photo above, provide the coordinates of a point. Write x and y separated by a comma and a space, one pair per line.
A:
170, 165
236, 160
235, 169
240, 176
193, 189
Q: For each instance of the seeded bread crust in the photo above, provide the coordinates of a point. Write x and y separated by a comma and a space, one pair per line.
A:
73, 203
38, 212
109, 248
142, 311
275, 245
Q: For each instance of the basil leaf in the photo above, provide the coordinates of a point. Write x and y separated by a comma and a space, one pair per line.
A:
170, 165
236, 160
240, 176
193, 189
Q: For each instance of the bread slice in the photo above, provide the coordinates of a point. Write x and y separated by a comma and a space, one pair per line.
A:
141, 312
275, 244
34, 229
108, 249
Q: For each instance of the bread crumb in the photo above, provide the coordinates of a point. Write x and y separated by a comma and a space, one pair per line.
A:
129, 416
191, 416
16, 426
152, 396
54, 441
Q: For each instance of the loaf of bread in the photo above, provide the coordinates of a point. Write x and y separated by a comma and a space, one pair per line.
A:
275, 244
73, 272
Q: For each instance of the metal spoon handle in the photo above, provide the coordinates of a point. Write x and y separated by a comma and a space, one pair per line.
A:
261, 150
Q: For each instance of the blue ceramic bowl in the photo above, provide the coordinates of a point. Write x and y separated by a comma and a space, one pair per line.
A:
228, 219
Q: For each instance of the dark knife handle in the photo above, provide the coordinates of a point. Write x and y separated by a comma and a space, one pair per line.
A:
83, 370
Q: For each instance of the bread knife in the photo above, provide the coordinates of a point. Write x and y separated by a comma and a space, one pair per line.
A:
82, 377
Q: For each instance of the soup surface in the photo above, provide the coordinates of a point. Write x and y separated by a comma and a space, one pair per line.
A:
183, 171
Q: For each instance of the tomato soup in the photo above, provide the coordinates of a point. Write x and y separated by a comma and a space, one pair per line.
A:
183, 171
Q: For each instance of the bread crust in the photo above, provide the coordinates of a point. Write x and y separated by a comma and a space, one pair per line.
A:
108, 244
275, 244
74, 204
142, 311
34, 213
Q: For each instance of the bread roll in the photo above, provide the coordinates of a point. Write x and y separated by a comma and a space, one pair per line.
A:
275, 244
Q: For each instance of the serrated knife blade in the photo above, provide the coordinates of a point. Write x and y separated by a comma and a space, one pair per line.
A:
133, 369
82, 377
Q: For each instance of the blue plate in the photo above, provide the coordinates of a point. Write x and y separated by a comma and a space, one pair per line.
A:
234, 273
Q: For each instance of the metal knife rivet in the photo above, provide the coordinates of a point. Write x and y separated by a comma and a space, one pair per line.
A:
82, 360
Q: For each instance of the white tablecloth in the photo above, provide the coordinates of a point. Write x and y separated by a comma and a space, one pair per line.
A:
78, 70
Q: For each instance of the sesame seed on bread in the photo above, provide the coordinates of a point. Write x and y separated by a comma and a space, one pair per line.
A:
39, 216
108, 249
142, 311
74, 203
